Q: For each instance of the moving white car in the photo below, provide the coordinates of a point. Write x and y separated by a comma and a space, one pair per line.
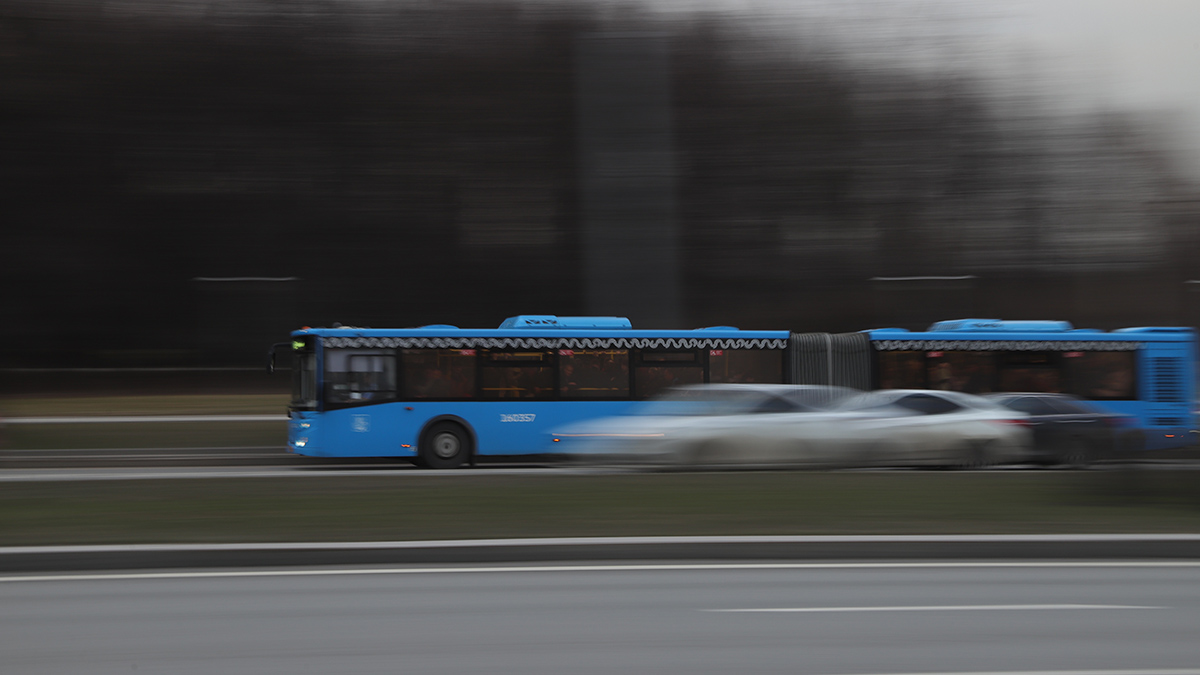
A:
925, 427
804, 425
717, 424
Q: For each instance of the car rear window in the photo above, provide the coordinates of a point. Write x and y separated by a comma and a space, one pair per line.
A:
1031, 405
1069, 407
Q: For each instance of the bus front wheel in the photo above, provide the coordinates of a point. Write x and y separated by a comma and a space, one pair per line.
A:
445, 445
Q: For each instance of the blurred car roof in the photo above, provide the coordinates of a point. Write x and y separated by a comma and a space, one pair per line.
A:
1066, 402
811, 394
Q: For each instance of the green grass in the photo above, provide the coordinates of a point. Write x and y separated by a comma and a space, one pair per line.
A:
145, 435
497, 505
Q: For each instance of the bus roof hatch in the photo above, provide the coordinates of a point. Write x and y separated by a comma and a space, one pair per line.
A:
998, 325
551, 321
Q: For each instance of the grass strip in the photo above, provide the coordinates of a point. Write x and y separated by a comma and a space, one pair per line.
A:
181, 404
145, 435
474, 506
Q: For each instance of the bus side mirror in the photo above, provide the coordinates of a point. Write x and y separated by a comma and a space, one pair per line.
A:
271, 355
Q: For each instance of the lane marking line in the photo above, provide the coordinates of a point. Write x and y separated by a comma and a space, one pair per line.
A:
574, 568
929, 608
1124, 671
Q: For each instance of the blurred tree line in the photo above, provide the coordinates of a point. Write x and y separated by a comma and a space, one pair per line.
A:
187, 181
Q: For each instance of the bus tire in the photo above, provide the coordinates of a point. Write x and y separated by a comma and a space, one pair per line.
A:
445, 445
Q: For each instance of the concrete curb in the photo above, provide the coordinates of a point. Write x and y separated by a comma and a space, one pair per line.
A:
796, 548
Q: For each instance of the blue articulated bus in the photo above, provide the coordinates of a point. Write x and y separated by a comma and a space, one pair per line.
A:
443, 396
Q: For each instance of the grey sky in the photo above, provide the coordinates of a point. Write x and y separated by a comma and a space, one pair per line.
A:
1141, 55
1127, 54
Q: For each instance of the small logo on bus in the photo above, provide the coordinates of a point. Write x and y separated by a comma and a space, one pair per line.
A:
360, 423
518, 417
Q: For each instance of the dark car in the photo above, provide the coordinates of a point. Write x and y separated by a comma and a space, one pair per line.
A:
1068, 430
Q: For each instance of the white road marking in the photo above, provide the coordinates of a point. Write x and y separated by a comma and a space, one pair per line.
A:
930, 608
117, 576
1123, 671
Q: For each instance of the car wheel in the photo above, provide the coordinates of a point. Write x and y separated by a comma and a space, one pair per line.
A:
982, 455
1075, 454
882, 455
703, 454
971, 456
445, 445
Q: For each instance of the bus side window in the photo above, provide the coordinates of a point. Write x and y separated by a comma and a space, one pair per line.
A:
593, 374
901, 370
745, 365
659, 370
1102, 375
1031, 371
359, 375
517, 374
372, 377
438, 374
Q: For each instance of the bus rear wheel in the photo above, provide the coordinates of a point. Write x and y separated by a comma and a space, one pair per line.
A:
446, 445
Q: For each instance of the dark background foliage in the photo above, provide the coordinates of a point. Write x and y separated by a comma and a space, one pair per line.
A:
185, 185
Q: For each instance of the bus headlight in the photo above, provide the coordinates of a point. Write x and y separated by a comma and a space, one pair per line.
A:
301, 442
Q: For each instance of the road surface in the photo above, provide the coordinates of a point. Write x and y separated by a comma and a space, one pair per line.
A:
1102, 618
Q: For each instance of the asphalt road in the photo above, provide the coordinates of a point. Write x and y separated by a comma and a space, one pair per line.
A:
257, 457
277, 459
1102, 618
134, 464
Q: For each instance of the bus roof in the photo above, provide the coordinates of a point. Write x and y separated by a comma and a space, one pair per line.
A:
545, 325
998, 329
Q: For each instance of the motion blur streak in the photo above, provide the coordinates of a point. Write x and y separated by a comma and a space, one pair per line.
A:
582, 568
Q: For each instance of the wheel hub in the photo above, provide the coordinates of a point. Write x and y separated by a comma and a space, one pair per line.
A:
446, 445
